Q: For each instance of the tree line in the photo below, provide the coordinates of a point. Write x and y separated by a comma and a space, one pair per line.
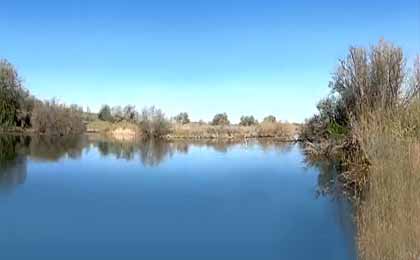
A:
18, 108
22, 111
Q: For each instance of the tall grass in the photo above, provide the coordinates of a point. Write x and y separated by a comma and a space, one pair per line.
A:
371, 122
389, 216
281, 131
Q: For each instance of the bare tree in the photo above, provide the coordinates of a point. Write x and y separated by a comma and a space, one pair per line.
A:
153, 122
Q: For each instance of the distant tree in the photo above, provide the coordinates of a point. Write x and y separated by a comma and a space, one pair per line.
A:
220, 119
53, 118
11, 94
153, 122
248, 121
117, 113
130, 113
270, 118
182, 118
105, 113
76, 108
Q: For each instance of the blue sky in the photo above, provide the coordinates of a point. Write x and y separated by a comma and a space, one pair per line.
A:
203, 57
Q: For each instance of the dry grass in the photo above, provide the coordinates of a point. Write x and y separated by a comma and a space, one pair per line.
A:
389, 217
99, 126
281, 131
124, 131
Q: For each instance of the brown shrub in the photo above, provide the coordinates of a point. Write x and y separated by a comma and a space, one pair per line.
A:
53, 118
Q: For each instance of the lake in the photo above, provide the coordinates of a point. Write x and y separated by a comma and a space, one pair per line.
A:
91, 198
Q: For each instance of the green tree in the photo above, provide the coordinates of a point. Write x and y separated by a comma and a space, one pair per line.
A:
270, 118
105, 113
182, 118
248, 121
130, 113
220, 119
11, 94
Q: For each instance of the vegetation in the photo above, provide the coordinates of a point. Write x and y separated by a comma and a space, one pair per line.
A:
270, 118
281, 131
182, 118
53, 118
248, 121
220, 119
105, 114
22, 112
19, 109
15, 101
371, 123
153, 123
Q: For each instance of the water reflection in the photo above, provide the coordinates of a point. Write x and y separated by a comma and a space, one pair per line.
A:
259, 192
328, 177
150, 152
16, 150
47, 148
12, 163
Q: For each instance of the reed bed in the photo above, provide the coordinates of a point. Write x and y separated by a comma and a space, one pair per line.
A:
389, 216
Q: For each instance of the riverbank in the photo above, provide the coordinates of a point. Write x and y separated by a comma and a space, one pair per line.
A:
389, 217
193, 131
370, 123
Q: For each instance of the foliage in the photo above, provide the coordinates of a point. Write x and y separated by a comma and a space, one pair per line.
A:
220, 119
182, 118
53, 118
117, 113
105, 114
153, 122
11, 94
248, 121
365, 81
371, 122
270, 118
130, 113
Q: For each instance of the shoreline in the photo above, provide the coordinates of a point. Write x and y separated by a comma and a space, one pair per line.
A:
165, 138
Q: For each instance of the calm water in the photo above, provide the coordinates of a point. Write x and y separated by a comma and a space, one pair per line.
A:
89, 198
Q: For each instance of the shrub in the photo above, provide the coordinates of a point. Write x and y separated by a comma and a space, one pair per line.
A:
270, 118
220, 119
105, 114
182, 118
153, 122
372, 80
52, 118
117, 113
365, 81
248, 121
278, 130
130, 113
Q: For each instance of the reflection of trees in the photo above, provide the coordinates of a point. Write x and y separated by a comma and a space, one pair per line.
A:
12, 163
52, 148
153, 152
273, 145
120, 150
328, 178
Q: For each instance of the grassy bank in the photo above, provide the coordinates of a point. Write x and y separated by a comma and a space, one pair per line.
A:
371, 124
389, 217
127, 130
280, 131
